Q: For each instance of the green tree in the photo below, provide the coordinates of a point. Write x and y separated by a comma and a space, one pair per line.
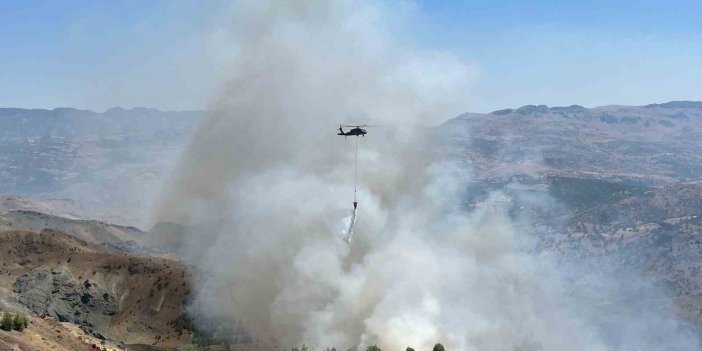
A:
7, 322
373, 348
409, 349
438, 347
18, 323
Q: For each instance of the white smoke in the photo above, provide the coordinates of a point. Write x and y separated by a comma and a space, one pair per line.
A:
271, 179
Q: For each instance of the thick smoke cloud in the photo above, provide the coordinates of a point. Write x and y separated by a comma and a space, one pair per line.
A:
269, 184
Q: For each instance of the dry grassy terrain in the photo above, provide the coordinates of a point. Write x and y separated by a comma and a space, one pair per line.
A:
107, 293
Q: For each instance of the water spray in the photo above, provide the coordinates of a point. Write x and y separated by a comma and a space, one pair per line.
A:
350, 223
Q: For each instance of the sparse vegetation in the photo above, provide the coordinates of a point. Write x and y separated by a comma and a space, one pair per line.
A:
183, 322
193, 347
210, 331
17, 322
580, 194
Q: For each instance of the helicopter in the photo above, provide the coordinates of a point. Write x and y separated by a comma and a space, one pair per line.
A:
355, 130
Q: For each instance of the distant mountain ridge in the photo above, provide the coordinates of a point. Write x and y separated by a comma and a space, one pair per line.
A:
678, 104
685, 104
656, 144
115, 162
111, 163
70, 122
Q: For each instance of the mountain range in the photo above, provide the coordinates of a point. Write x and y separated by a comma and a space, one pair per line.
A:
613, 190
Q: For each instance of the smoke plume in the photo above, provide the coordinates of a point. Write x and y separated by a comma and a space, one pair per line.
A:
269, 183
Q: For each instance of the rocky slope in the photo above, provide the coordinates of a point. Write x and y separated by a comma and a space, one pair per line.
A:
106, 293
48, 334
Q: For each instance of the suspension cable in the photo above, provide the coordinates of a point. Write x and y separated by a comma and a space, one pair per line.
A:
355, 171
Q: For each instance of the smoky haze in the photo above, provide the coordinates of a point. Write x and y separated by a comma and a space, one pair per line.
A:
270, 185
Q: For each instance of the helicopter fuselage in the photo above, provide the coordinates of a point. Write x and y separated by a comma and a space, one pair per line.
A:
353, 132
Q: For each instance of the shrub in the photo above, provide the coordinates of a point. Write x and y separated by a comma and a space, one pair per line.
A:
373, 348
7, 323
20, 322
409, 349
183, 322
438, 347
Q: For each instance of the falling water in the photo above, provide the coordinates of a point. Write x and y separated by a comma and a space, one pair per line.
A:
349, 222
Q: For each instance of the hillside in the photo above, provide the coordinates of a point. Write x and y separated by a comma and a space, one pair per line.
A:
107, 293
56, 207
655, 235
87, 230
613, 191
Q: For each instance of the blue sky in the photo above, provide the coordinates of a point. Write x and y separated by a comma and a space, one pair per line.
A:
99, 54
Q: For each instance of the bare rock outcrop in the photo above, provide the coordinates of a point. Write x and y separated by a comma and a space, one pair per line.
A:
58, 294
